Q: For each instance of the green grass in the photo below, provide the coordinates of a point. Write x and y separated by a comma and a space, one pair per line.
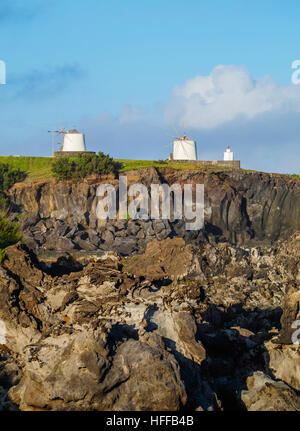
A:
38, 168
143, 164
138, 164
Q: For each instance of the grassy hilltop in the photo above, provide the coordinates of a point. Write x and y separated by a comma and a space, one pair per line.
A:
39, 168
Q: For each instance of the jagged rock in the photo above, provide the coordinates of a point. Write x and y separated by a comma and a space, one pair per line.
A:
121, 233
265, 394
244, 208
65, 349
80, 374
86, 245
61, 373
239, 270
170, 258
19, 260
133, 227
148, 229
168, 329
108, 237
290, 316
186, 329
125, 246
160, 387
109, 226
62, 244
284, 362
121, 224
94, 238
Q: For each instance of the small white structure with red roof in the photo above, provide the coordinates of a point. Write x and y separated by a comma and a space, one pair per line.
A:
228, 155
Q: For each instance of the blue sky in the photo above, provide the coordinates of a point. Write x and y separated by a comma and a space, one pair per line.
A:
128, 73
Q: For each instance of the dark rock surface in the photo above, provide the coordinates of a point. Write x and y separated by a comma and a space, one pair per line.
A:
145, 315
244, 208
180, 327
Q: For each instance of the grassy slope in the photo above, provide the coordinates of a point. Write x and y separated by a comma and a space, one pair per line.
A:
140, 164
36, 167
39, 168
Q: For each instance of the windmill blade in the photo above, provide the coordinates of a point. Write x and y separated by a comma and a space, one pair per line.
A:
176, 131
182, 128
171, 136
56, 133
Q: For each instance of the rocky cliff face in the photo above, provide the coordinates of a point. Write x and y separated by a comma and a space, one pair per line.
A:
143, 315
244, 208
178, 327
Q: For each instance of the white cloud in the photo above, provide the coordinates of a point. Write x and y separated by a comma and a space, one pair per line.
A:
228, 93
258, 118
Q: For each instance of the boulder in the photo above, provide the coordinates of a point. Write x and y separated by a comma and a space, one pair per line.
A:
265, 394
77, 373
290, 316
59, 244
169, 258
284, 362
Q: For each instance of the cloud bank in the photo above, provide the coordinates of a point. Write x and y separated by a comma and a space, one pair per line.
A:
228, 93
258, 118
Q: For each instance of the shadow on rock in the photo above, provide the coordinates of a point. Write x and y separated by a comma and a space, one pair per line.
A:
234, 343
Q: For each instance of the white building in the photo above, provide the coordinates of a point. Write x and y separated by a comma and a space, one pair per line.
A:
228, 155
184, 149
73, 141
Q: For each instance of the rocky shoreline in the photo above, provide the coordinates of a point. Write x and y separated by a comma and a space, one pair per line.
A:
180, 327
144, 315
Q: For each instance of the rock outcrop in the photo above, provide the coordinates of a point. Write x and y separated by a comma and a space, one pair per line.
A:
178, 327
244, 208
268, 395
145, 315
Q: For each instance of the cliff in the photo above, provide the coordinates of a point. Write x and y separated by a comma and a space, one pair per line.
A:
244, 208
144, 315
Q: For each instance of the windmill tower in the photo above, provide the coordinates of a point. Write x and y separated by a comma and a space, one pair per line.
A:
184, 148
73, 143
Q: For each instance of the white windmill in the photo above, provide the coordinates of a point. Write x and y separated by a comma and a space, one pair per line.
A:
184, 148
73, 141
